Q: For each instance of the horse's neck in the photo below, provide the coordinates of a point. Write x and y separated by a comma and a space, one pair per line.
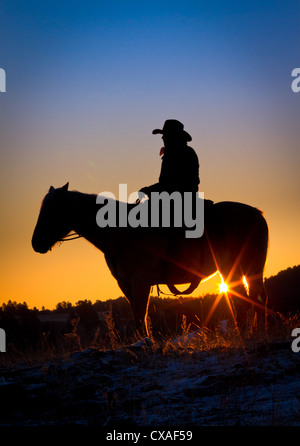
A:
83, 214
82, 206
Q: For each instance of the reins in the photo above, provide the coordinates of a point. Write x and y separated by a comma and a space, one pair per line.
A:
71, 236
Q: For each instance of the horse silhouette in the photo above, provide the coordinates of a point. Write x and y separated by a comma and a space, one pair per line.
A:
235, 243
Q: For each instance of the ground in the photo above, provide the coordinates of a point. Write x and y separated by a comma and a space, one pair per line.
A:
156, 386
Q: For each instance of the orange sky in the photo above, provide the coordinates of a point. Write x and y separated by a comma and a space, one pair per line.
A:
76, 270
85, 89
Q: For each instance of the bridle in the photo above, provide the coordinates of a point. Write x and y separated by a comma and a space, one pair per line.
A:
68, 237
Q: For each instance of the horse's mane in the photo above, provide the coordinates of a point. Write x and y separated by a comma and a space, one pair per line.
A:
93, 197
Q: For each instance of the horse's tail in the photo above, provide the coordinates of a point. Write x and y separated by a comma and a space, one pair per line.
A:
261, 239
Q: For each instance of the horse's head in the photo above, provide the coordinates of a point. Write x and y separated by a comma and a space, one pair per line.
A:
53, 222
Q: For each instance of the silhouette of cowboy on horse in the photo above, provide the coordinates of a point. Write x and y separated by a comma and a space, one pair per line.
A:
235, 240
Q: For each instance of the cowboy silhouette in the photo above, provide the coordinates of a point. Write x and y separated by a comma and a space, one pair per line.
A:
179, 173
180, 164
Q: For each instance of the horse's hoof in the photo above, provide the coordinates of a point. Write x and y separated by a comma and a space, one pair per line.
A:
145, 342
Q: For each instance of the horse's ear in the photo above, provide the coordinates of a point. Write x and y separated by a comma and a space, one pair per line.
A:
66, 186
51, 189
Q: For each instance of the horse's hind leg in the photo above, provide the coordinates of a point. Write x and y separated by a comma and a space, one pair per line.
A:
259, 298
126, 288
241, 306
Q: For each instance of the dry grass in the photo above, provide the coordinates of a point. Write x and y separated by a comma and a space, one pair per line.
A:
142, 374
220, 338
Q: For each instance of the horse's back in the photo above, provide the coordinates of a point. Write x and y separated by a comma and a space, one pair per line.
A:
236, 206
234, 213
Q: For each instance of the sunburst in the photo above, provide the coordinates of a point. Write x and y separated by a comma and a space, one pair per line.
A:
223, 287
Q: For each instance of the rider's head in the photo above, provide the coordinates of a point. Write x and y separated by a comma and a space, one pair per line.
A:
173, 133
173, 139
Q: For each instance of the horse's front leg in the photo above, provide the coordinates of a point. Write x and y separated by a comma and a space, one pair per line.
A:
138, 301
139, 304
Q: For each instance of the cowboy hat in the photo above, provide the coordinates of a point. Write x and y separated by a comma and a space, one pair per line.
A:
173, 126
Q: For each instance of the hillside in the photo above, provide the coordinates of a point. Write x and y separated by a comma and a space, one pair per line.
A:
81, 366
284, 290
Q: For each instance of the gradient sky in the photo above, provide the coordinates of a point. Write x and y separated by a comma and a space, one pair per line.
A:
87, 82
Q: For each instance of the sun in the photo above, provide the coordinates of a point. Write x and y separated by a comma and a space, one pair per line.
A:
223, 288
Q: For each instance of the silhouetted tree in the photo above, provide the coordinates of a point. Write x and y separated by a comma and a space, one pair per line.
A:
21, 324
87, 314
284, 290
63, 307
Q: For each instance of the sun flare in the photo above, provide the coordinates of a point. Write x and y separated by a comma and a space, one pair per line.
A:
223, 288
245, 283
